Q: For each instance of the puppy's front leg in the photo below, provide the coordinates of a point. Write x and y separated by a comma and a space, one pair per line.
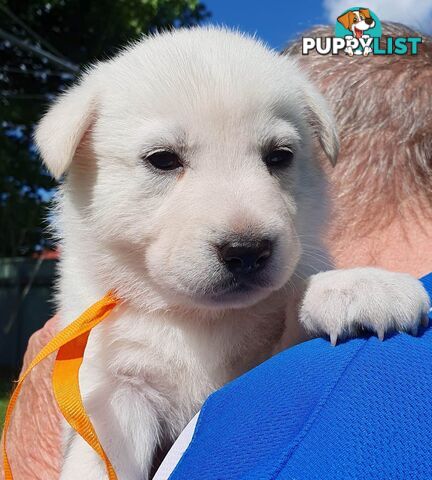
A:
338, 303
126, 423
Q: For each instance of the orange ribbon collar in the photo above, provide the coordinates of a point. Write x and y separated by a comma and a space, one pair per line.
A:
70, 343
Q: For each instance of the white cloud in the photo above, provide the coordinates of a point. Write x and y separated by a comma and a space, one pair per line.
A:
414, 13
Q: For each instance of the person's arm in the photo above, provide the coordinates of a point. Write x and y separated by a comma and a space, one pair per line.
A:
34, 442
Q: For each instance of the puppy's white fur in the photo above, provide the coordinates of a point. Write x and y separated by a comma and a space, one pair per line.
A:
217, 98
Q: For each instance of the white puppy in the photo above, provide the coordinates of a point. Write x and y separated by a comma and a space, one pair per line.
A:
193, 192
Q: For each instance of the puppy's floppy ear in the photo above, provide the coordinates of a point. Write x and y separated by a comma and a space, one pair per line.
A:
60, 131
346, 19
365, 12
321, 119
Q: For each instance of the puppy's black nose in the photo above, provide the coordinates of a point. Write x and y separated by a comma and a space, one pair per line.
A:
245, 256
369, 21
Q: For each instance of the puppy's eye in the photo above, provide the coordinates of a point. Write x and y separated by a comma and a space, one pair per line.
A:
280, 157
164, 160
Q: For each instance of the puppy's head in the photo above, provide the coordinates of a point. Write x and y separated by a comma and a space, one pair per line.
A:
191, 175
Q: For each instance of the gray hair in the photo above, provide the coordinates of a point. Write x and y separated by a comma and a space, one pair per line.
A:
383, 108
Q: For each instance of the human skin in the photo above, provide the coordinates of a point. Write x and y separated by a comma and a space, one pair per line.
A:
402, 246
381, 186
383, 222
34, 437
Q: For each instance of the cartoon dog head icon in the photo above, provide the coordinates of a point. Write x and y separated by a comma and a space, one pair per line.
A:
357, 21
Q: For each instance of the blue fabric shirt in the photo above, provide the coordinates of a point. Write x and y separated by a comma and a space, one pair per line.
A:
361, 410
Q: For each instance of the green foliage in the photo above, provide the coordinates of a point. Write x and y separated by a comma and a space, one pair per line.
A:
3, 405
5, 388
77, 32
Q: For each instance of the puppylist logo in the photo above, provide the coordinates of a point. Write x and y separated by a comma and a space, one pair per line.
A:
358, 32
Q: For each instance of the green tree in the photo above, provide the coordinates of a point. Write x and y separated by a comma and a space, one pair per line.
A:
43, 45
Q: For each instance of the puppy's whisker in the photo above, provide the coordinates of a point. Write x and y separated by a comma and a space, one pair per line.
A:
316, 256
300, 277
319, 260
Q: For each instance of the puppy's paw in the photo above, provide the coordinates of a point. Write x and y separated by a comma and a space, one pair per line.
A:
339, 303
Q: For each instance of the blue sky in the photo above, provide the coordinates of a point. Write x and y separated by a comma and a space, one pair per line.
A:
275, 21
278, 21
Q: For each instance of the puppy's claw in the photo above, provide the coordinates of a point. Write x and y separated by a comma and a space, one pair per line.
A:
380, 334
425, 320
414, 331
337, 303
333, 338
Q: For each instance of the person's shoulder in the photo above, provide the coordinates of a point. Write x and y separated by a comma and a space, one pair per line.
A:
305, 411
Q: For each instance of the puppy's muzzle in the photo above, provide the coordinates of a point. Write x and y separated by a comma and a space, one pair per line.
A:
245, 256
